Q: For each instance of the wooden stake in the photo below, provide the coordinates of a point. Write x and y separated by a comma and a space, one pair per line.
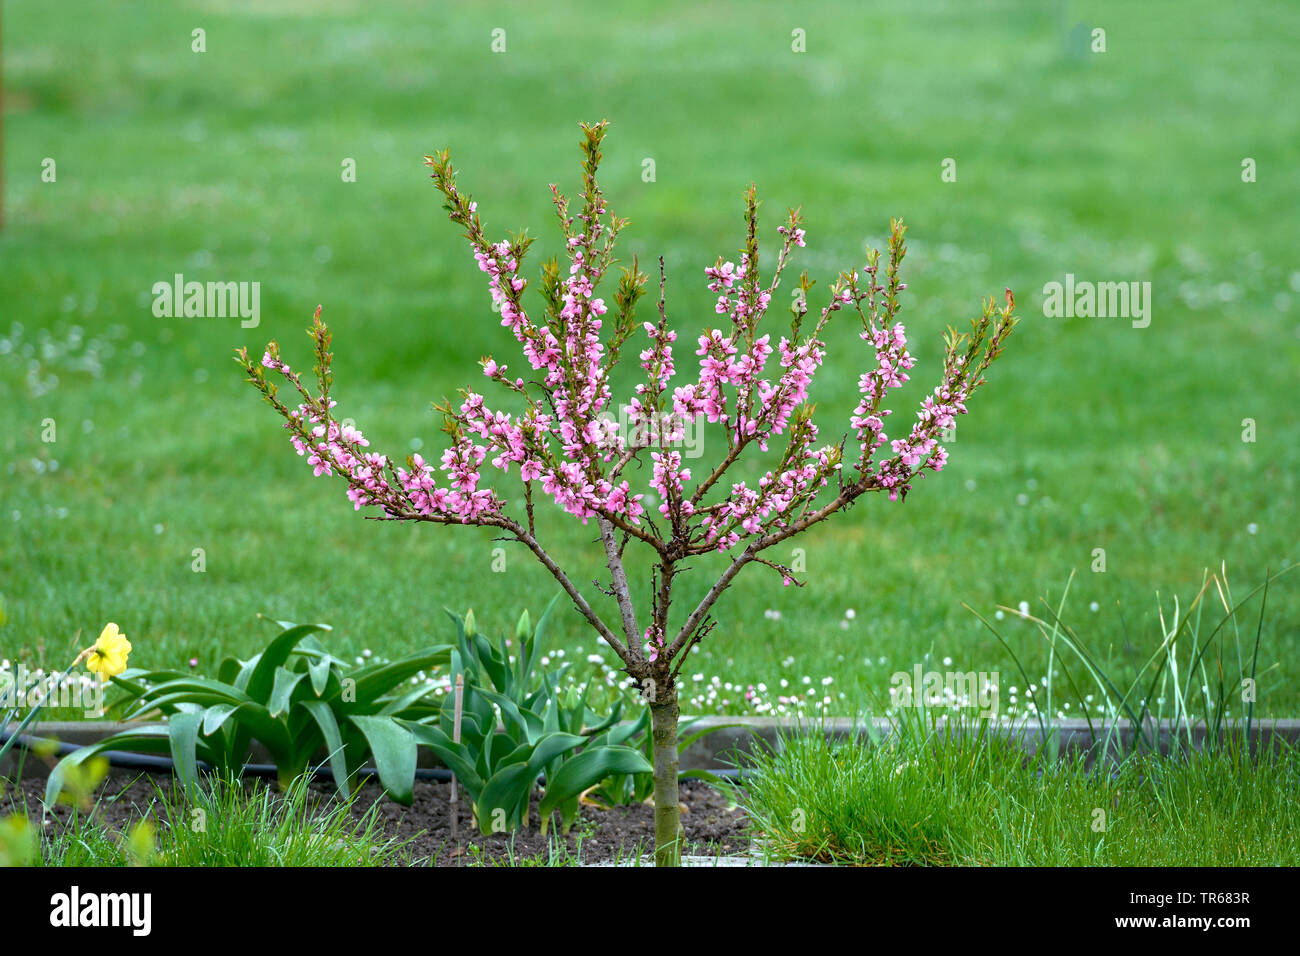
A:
455, 736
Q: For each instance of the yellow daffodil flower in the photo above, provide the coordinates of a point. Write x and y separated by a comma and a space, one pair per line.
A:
107, 657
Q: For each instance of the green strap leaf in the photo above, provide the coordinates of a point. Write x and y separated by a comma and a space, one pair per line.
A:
507, 790
490, 662
394, 751
329, 728
183, 738
152, 738
286, 681
195, 685
551, 746
401, 703
215, 717
586, 770
525, 722
456, 756
319, 669
277, 652
378, 679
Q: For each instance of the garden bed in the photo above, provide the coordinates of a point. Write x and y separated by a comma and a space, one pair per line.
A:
600, 836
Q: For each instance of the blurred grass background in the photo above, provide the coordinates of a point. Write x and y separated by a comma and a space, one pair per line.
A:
226, 165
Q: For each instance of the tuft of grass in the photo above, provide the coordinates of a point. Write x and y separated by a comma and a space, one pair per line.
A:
971, 797
229, 824
896, 802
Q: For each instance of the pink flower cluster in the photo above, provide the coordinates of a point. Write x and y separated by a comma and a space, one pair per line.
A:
569, 353
668, 480
566, 440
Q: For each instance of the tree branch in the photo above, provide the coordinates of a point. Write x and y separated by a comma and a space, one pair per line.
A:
575, 595
619, 578
751, 554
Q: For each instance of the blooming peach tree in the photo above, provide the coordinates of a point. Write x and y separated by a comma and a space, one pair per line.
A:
563, 441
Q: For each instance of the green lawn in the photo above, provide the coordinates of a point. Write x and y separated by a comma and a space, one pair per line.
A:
924, 799
226, 165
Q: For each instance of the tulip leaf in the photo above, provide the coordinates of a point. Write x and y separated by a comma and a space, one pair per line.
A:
394, 752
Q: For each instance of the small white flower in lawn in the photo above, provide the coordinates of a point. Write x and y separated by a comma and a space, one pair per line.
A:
850, 614
1094, 607
1252, 528
365, 652
827, 681
595, 659
1022, 499
947, 662
157, 529
997, 615
1024, 609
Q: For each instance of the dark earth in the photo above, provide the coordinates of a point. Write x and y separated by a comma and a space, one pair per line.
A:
714, 827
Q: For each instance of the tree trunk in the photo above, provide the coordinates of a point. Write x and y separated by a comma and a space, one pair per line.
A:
663, 735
